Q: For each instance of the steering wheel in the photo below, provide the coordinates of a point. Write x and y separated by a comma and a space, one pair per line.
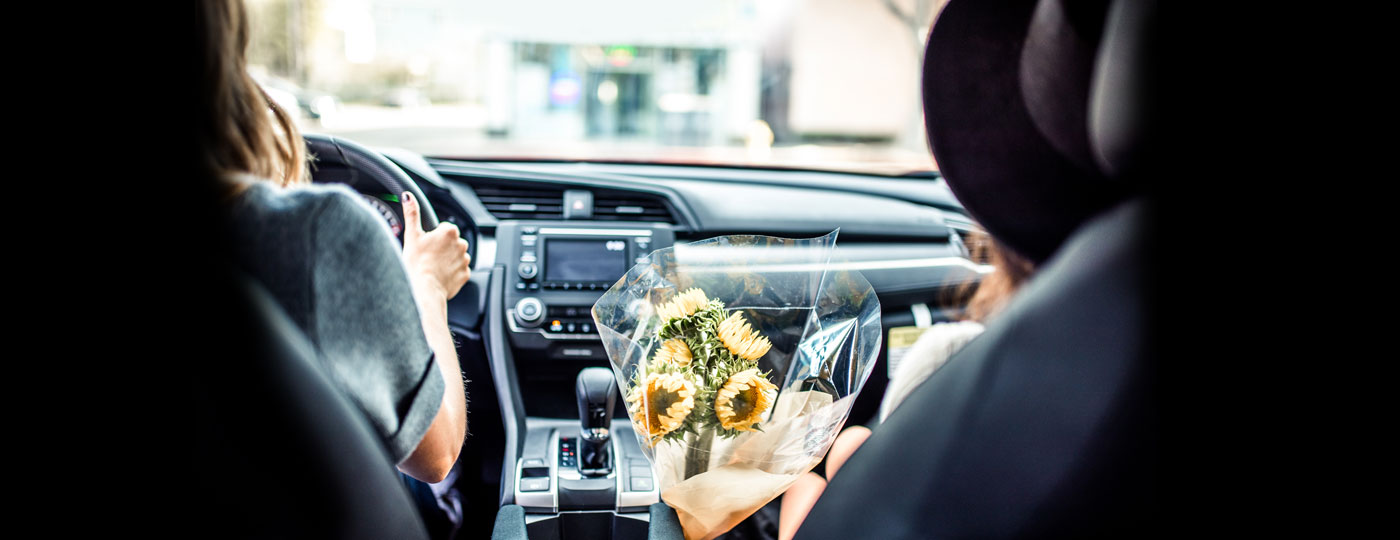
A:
370, 174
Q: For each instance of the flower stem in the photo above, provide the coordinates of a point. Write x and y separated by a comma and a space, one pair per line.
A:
697, 456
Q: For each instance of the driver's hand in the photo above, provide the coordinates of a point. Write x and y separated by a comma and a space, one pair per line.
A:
436, 258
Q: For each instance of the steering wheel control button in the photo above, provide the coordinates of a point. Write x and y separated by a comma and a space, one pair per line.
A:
534, 484
528, 270
529, 310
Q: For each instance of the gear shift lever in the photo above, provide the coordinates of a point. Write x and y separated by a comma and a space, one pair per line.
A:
597, 393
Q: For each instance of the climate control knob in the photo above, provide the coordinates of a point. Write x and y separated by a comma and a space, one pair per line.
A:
529, 310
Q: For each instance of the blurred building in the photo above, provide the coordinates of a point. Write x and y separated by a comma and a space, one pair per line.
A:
675, 72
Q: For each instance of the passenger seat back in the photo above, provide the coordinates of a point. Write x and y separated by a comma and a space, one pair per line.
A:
1042, 426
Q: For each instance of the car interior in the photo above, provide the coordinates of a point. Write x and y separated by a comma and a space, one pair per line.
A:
1044, 425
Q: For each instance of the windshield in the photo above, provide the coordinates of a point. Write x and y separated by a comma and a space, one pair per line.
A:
813, 84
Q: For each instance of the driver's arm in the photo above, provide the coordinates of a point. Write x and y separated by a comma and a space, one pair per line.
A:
438, 267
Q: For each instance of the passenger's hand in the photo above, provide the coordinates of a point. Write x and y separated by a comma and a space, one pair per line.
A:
436, 258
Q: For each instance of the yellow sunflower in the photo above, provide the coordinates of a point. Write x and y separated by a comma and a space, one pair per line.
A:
660, 403
743, 399
683, 305
673, 351
741, 340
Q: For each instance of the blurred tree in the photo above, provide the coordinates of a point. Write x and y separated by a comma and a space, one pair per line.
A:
280, 32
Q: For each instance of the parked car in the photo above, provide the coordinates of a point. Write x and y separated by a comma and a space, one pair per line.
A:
312, 104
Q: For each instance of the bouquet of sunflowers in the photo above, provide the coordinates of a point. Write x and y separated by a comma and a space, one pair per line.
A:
739, 358
704, 378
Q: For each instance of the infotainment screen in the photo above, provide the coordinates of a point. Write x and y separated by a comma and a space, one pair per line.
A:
584, 260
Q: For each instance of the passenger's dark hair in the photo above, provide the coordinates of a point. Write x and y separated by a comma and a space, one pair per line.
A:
996, 288
241, 130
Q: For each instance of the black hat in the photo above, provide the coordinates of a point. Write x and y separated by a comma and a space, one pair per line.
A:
1008, 89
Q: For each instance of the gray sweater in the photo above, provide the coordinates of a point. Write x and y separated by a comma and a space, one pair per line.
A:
333, 265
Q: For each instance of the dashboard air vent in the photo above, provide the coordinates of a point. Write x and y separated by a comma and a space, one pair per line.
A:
521, 201
530, 200
609, 205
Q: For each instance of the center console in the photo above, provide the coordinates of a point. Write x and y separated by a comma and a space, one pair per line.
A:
555, 272
577, 469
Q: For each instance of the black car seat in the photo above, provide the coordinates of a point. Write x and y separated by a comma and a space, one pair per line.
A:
1046, 424
281, 453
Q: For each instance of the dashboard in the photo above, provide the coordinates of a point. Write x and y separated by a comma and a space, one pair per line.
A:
549, 238
908, 236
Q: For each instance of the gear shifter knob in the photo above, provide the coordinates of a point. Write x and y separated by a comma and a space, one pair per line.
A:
597, 393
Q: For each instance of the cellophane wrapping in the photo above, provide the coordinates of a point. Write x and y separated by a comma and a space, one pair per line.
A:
820, 325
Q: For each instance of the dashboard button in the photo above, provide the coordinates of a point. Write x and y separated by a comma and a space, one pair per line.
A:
570, 328
529, 229
528, 270
528, 240
533, 286
520, 285
556, 327
586, 328
534, 484
638, 484
528, 256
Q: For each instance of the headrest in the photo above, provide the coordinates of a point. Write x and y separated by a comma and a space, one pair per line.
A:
1122, 125
1009, 90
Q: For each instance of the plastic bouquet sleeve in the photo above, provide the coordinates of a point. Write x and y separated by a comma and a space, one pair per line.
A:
739, 358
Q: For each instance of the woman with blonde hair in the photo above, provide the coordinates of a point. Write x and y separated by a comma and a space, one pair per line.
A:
376, 317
